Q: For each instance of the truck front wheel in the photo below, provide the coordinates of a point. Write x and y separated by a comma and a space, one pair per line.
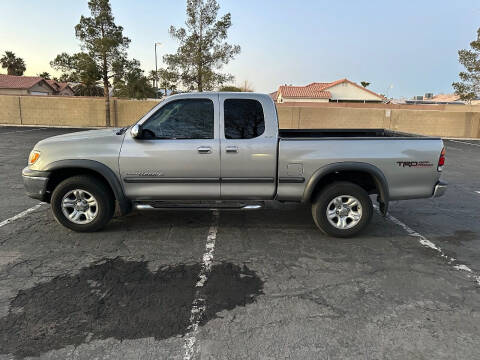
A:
82, 203
342, 209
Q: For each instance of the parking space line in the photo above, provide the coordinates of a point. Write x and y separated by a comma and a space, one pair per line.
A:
464, 142
20, 215
199, 304
427, 243
19, 131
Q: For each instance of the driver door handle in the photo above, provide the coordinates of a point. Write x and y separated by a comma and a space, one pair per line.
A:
231, 149
204, 149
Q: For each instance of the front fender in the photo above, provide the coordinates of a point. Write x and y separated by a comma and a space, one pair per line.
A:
99, 168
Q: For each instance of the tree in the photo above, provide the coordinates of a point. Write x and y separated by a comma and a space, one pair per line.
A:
245, 87
79, 68
230, 88
202, 50
14, 65
165, 80
365, 84
469, 86
45, 75
104, 42
132, 83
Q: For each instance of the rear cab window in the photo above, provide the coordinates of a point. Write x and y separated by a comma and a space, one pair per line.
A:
243, 119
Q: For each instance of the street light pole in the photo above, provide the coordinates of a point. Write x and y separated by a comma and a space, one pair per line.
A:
156, 66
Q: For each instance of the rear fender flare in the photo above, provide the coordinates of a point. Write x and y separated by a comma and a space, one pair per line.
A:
377, 175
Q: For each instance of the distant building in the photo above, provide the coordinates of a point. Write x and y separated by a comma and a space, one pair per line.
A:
342, 90
32, 85
61, 88
440, 99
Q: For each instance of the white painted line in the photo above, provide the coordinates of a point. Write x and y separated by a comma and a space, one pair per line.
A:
199, 304
478, 192
19, 131
463, 142
427, 243
22, 214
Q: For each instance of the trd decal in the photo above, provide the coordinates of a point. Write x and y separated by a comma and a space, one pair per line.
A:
414, 163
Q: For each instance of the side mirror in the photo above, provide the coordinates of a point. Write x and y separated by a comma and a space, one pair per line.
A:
135, 131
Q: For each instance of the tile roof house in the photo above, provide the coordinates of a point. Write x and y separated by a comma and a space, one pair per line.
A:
32, 85
342, 90
61, 88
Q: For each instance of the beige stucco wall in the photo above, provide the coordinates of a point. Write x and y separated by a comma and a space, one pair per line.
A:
70, 111
61, 111
129, 111
90, 112
347, 91
424, 122
10, 110
437, 123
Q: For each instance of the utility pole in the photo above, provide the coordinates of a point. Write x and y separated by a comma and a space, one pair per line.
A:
156, 68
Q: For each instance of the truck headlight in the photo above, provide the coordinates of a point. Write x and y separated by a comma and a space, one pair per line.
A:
34, 156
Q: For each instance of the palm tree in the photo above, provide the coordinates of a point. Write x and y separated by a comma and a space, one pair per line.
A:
13, 64
365, 84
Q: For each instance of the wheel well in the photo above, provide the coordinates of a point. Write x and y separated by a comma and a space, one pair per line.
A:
361, 178
58, 175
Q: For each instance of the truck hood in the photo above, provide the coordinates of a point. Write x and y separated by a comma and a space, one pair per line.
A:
99, 145
88, 135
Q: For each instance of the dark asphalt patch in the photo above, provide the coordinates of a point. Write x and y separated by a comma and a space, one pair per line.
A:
119, 299
460, 236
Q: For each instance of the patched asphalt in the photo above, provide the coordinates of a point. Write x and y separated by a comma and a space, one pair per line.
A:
278, 288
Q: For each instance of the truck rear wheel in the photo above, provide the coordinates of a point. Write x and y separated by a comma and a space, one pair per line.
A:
82, 203
342, 209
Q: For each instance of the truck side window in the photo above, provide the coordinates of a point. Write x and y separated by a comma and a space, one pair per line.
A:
243, 119
182, 119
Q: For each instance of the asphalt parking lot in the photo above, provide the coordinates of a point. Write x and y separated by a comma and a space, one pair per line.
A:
407, 288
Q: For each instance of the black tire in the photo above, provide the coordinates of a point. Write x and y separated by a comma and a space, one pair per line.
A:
326, 196
102, 194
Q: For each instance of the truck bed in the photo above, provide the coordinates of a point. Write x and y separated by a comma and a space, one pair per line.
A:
345, 133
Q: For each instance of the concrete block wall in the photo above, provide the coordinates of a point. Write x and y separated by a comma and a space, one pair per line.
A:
10, 110
442, 120
129, 111
424, 122
62, 111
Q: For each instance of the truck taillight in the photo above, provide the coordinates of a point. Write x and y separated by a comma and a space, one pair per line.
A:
441, 160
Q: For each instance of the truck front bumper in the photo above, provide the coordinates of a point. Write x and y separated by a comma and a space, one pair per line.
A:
35, 183
440, 188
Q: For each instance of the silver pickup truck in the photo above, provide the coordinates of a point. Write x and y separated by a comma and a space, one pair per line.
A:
225, 151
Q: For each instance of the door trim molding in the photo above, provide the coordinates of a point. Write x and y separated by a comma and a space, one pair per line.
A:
140, 179
291, 180
242, 180
226, 180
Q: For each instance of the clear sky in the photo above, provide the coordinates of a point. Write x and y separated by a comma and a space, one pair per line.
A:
403, 48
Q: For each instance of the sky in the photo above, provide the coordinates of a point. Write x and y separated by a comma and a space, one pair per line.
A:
403, 48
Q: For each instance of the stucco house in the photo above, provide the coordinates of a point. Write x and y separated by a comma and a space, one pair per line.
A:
61, 88
32, 85
342, 90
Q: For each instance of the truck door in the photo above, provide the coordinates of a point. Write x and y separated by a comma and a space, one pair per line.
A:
178, 157
248, 145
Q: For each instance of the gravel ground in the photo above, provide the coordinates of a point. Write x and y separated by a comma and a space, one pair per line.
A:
277, 288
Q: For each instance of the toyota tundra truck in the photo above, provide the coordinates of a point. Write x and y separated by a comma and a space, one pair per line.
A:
226, 151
